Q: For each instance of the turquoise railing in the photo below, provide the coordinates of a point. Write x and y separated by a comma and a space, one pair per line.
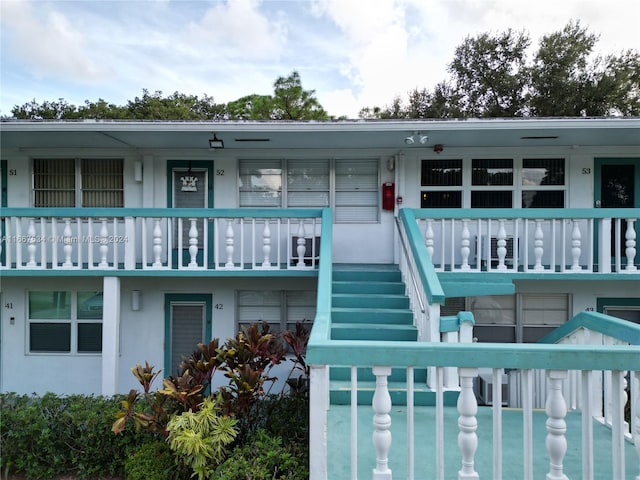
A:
157, 239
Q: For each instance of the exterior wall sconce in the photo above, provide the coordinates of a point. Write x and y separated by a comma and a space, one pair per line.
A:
137, 171
215, 142
136, 298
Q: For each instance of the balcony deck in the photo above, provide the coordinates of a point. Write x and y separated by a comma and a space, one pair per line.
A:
339, 420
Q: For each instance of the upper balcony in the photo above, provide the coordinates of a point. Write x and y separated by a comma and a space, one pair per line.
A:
161, 241
531, 241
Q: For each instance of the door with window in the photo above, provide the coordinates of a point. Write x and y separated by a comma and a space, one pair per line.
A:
189, 186
187, 323
617, 185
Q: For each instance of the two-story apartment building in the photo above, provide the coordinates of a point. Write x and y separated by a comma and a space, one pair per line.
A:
131, 241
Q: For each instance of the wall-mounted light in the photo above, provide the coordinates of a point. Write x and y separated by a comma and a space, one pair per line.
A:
391, 164
137, 171
215, 142
136, 298
420, 137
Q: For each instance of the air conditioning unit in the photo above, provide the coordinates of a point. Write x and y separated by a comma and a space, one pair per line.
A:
484, 388
508, 259
311, 252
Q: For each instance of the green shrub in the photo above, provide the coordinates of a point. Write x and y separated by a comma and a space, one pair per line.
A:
265, 457
49, 436
153, 461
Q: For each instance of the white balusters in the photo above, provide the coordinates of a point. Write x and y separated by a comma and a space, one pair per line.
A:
67, 249
502, 245
576, 246
301, 244
31, 242
467, 423
630, 243
104, 244
538, 243
229, 243
157, 243
193, 243
428, 238
556, 410
635, 420
381, 423
266, 245
464, 245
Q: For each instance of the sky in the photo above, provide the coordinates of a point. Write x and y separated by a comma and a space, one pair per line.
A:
352, 53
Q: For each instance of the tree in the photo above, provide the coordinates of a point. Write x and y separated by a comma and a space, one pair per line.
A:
492, 77
490, 74
292, 102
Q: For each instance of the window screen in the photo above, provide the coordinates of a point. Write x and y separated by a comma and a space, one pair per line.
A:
441, 173
357, 191
308, 183
102, 183
492, 171
260, 183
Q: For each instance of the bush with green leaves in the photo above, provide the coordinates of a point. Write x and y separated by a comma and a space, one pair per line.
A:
200, 439
154, 460
265, 457
52, 435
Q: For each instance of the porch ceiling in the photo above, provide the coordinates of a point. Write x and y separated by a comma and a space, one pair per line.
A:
320, 135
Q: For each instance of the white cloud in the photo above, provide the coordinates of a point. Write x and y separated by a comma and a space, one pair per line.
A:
49, 44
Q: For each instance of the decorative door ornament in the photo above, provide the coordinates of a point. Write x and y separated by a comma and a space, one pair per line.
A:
189, 183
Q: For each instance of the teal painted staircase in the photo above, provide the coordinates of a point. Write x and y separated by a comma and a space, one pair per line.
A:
369, 303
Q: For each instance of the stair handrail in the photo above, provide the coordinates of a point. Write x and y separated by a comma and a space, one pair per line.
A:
406, 254
607, 325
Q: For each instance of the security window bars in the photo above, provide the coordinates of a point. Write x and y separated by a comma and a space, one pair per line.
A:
71, 182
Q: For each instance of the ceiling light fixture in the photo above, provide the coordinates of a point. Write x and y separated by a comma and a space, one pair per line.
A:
409, 140
424, 139
215, 142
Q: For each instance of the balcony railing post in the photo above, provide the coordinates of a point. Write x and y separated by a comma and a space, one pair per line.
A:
67, 249
502, 246
301, 244
576, 246
381, 423
104, 243
318, 406
635, 415
556, 409
229, 243
630, 243
266, 245
193, 243
31, 242
467, 423
157, 243
538, 243
428, 238
465, 243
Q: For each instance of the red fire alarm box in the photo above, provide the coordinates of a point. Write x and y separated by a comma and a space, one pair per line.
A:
388, 195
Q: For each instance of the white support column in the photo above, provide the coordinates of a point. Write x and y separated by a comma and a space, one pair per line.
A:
556, 409
381, 424
318, 406
110, 335
129, 244
467, 424
635, 415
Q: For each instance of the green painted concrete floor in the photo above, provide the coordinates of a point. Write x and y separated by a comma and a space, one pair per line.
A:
339, 445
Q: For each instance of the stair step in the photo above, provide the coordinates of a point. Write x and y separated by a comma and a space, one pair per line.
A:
390, 288
340, 394
367, 275
370, 300
359, 331
371, 316
365, 374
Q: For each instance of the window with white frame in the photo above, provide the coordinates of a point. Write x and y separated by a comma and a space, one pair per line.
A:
493, 183
351, 187
70, 182
281, 309
65, 321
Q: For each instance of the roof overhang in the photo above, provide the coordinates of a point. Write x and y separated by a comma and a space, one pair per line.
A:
359, 134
